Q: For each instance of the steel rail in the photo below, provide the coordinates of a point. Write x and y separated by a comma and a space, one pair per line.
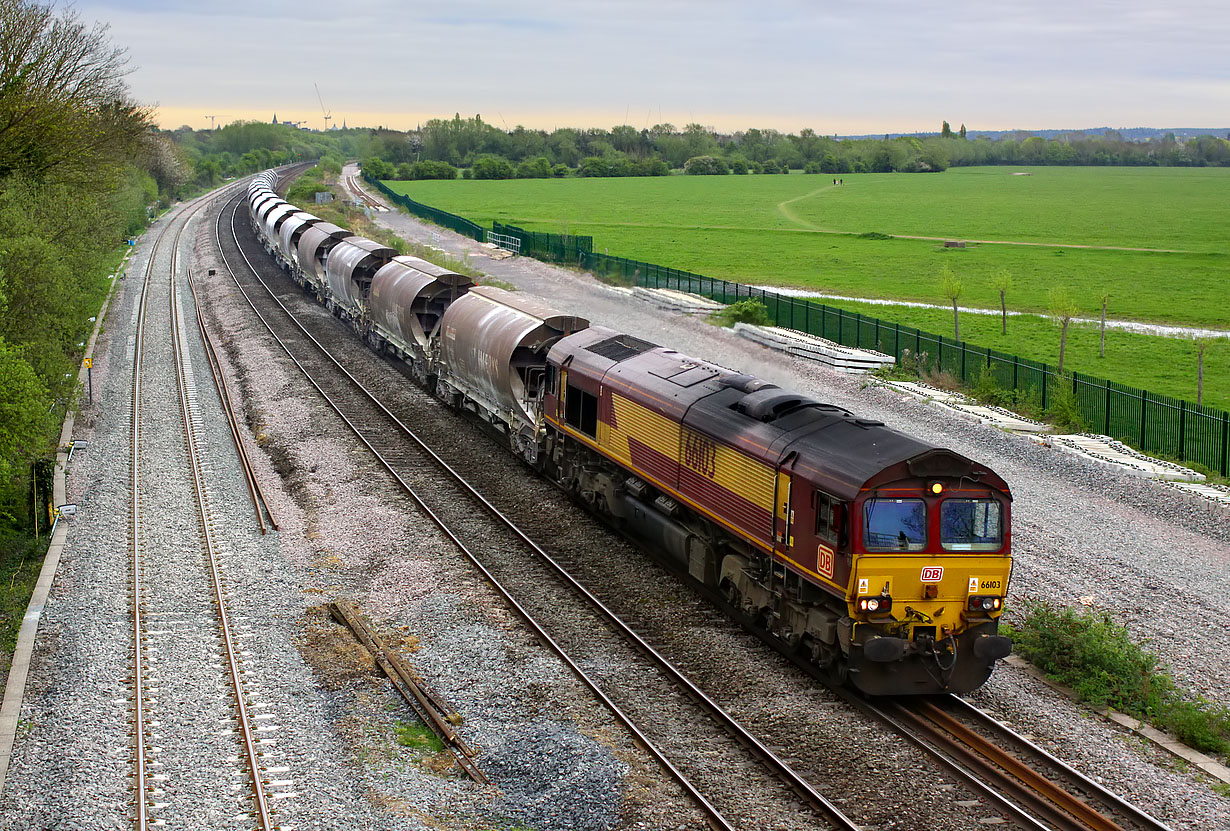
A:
1008, 736
766, 756
142, 777
209, 548
255, 491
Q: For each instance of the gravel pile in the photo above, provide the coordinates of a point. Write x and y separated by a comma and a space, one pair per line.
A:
1155, 559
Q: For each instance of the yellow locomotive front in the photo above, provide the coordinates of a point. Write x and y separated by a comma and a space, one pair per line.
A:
929, 573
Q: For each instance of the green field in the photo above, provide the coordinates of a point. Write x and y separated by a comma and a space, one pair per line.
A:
805, 232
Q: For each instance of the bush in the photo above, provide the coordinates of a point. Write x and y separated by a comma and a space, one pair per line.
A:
812, 167
594, 166
738, 167
750, 311
492, 167
561, 170
651, 167
430, 169
1063, 409
1098, 659
539, 168
705, 166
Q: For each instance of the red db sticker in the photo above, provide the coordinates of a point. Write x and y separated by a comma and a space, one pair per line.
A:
932, 574
824, 561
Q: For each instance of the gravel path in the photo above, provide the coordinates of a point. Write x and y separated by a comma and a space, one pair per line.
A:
1154, 559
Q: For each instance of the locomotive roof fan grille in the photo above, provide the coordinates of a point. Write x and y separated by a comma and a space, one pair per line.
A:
620, 347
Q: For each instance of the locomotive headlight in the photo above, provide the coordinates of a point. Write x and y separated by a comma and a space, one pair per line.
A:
937, 488
875, 604
985, 604
989, 603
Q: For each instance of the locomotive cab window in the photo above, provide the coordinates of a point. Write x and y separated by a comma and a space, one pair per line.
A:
552, 380
971, 525
581, 410
894, 525
828, 513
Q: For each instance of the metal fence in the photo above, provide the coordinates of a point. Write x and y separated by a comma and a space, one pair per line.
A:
1154, 424
451, 221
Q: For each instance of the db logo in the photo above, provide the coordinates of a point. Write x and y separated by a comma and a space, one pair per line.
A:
932, 574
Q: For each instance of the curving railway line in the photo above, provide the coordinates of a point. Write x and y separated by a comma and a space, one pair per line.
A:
185, 647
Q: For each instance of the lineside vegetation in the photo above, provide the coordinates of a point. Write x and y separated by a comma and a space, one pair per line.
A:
1096, 656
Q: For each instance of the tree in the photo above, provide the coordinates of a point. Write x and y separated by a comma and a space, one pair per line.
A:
24, 416
64, 106
1062, 309
950, 287
945, 131
962, 131
1002, 283
1202, 346
705, 166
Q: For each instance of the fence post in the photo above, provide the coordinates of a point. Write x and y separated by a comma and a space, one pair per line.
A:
1182, 426
964, 354
858, 330
1044, 376
824, 320
807, 316
1225, 443
1016, 367
897, 341
1144, 401
1106, 385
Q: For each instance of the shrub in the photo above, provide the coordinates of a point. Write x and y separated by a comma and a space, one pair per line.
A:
738, 167
539, 168
594, 166
430, 169
705, 166
561, 170
1098, 659
812, 167
750, 311
492, 167
651, 167
1063, 409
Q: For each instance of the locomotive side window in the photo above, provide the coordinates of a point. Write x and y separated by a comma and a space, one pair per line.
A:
971, 525
828, 510
581, 410
895, 525
552, 380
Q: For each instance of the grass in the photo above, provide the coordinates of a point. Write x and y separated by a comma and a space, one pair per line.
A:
416, 735
801, 231
1098, 659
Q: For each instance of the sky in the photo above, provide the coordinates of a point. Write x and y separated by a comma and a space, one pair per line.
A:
851, 67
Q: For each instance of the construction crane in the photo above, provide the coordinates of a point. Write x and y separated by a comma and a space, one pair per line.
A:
211, 120
328, 115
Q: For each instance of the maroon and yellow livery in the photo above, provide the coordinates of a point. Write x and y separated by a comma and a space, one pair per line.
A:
886, 557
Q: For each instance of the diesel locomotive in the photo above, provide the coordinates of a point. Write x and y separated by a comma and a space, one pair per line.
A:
881, 557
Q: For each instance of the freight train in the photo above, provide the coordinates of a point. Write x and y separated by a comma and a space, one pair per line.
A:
882, 558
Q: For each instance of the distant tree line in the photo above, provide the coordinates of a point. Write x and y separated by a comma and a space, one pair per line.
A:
472, 148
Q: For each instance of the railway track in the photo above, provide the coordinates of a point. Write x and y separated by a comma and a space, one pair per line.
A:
185, 648
529, 580
1005, 795
1031, 786
352, 184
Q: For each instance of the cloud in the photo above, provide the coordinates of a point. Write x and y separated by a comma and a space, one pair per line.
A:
888, 64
